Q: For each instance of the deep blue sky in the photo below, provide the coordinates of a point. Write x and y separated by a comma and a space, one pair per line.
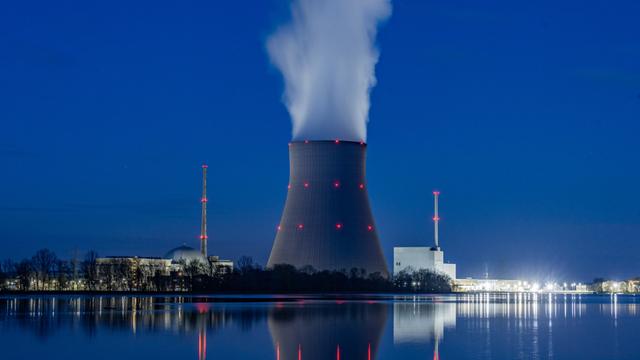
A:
526, 115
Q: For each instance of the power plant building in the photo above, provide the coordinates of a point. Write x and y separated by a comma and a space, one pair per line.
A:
412, 259
327, 221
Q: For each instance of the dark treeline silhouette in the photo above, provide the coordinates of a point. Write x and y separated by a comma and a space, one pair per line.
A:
46, 272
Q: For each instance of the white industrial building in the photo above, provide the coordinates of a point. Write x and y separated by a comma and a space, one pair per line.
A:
415, 258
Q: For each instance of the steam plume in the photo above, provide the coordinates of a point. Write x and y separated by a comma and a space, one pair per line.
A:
327, 57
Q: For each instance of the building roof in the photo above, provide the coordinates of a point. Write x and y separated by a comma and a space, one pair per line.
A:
185, 253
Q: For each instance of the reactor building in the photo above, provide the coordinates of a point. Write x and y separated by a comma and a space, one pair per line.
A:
327, 221
411, 259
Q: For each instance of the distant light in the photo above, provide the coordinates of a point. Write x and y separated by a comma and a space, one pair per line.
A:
436, 193
361, 142
204, 200
436, 218
337, 141
278, 227
300, 226
361, 186
306, 141
306, 184
288, 186
369, 227
336, 184
338, 226
204, 166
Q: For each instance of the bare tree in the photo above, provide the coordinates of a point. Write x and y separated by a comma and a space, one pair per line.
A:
24, 273
245, 263
90, 269
43, 262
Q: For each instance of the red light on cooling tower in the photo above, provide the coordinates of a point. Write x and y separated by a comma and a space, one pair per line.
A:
338, 226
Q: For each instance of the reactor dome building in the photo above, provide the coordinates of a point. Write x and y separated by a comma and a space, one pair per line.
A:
327, 221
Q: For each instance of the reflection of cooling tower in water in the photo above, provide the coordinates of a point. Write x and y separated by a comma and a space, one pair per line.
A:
327, 222
351, 330
422, 322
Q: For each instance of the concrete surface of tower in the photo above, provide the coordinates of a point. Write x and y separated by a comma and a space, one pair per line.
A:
327, 221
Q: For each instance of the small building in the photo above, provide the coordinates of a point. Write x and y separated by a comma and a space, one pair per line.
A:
417, 258
221, 266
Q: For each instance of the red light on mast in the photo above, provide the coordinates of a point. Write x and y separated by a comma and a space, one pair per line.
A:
338, 226
278, 228
361, 186
369, 227
336, 184
300, 226
306, 184
337, 141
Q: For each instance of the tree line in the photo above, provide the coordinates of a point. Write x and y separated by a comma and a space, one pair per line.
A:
44, 271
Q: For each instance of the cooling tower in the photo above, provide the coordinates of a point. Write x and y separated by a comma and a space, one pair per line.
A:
327, 222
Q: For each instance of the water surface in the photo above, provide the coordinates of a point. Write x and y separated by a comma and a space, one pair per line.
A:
480, 326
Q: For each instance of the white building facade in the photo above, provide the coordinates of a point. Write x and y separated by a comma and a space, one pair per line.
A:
416, 258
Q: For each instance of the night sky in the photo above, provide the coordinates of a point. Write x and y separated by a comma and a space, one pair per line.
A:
525, 115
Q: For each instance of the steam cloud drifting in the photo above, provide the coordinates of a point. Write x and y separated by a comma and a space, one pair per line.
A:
327, 56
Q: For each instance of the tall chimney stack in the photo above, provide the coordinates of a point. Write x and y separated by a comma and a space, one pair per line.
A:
203, 226
436, 219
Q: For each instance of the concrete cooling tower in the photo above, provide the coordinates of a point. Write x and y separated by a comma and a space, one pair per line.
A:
327, 222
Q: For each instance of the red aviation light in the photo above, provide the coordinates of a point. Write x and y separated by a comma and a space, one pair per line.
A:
338, 226
300, 226
361, 186
436, 192
306, 141
203, 200
337, 141
288, 186
278, 228
436, 218
204, 166
361, 142
306, 184
369, 227
336, 184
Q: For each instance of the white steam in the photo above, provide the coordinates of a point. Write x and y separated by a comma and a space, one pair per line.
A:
327, 57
